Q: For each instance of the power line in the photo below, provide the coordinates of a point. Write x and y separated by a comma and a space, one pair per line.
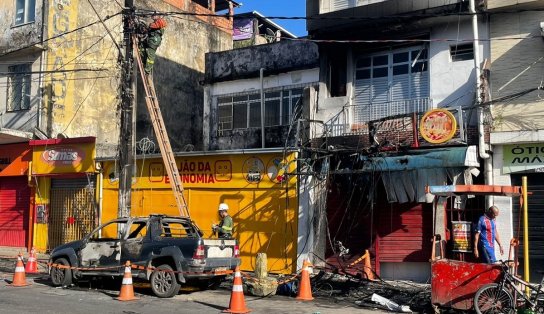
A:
59, 35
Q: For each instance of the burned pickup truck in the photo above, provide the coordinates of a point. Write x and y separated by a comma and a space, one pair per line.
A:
171, 249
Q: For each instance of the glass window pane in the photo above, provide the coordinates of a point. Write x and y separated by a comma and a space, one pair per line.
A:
255, 97
239, 98
379, 72
419, 67
285, 107
272, 95
362, 74
224, 100
255, 115
239, 116
363, 62
297, 91
225, 117
30, 9
422, 56
381, 60
272, 112
400, 57
401, 69
19, 12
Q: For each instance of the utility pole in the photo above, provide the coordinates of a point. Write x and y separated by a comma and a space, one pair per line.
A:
126, 143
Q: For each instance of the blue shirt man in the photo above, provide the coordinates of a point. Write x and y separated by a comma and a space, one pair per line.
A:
486, 235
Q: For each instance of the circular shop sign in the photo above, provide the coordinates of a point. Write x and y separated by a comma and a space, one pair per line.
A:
438, 126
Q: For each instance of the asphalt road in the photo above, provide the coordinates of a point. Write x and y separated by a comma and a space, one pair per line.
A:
98, 297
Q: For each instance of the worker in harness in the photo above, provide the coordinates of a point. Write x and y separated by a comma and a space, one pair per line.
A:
224, 228
150, 40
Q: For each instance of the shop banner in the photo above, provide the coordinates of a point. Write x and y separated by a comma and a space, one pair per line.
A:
462, 235
242, 29
14, 159
523, 157
63, 158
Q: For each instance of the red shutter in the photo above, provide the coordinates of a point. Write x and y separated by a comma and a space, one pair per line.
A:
405, 232
14, 211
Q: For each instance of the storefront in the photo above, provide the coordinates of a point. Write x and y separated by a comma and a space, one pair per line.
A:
63, 171
262, 197
520, 160
15, 196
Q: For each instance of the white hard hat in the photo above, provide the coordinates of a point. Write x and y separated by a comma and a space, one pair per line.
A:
223, 206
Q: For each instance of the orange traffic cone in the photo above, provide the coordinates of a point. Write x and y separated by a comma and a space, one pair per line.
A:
368, 267
19, 277
127, 291
304, 289
237, 302
31, 266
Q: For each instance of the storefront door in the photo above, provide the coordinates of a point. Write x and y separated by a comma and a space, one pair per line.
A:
14, 211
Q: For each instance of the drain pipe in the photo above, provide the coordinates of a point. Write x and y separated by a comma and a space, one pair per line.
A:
488, 165
261, 75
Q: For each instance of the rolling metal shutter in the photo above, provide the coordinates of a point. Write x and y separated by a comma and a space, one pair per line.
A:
14, 211
535, 184
404, 233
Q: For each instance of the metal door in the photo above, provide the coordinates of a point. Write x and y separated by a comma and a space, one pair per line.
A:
73, 211
14, 211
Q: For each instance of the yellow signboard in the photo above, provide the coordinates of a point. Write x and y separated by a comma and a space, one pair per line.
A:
65, 156
261, 196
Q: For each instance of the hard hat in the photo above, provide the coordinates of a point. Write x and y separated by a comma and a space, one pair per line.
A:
223, 206
158, 23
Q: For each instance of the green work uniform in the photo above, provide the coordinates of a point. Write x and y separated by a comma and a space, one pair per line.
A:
149, 49
225, 227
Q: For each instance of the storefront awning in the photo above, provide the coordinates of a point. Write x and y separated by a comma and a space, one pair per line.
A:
10, 136
406, 177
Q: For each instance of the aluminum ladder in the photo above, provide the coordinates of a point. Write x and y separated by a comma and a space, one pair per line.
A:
167, 154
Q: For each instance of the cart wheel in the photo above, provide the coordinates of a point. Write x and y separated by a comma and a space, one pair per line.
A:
489, 299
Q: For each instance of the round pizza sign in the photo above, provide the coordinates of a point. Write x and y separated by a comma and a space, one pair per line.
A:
438, 126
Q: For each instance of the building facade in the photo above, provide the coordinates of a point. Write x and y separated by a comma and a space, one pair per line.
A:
382, 73
60, 79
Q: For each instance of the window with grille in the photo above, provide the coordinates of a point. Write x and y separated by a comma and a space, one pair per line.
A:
462, 52
19, 87
244, 111
25, 11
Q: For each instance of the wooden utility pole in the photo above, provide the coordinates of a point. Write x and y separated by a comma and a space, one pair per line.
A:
126, 143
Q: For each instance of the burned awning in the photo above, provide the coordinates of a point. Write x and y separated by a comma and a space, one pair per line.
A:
405, 177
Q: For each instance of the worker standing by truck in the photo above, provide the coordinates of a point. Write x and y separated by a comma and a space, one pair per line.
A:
224, 228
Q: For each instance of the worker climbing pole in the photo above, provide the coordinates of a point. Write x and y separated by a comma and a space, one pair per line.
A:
146, 41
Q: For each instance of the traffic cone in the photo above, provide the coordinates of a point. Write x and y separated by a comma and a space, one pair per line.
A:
237, 302
127, 290
304, 288
31, 266
368, 267
19, 277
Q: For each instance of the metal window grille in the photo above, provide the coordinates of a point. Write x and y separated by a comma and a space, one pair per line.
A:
19, 87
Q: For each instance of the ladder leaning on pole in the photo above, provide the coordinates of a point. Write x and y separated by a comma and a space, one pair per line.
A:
162, 136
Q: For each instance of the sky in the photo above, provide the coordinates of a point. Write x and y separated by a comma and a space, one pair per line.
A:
279, 8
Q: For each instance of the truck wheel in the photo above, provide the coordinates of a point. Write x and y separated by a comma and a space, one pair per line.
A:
163, 282
61, 276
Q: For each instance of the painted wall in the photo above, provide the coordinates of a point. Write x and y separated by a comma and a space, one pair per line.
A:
178, 71
262, 202
516, 65
82, 87
453, 83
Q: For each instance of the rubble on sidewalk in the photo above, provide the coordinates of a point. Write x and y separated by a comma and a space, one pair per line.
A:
349, 289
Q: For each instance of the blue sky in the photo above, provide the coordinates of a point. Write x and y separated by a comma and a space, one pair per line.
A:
279, 8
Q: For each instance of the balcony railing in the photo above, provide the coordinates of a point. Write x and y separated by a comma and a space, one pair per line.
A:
361, 114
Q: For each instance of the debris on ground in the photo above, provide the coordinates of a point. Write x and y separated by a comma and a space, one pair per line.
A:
390, 305
358, 291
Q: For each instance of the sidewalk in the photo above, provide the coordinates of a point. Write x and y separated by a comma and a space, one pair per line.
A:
8, 258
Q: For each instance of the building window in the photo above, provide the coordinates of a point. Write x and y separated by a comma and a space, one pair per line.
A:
24, 11
462, 52
387, 83
244, 111
19, 87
